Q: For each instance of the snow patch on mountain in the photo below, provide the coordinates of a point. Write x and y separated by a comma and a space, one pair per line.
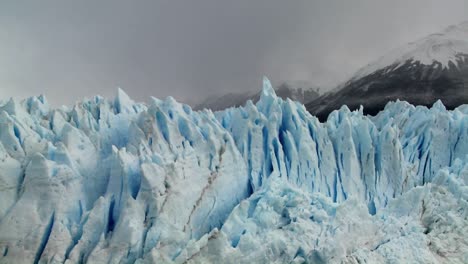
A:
442, 49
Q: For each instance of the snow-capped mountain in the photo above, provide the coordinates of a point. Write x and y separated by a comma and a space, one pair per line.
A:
422, 72
123, 182
284, 91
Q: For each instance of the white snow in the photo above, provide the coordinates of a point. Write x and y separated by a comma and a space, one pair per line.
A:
114, 181
444, 48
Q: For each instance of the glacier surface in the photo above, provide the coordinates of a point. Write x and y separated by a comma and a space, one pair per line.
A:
123, 182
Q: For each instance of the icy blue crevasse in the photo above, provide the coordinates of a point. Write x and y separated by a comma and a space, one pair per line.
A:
284, 224
116, 181
132, 176
369, 158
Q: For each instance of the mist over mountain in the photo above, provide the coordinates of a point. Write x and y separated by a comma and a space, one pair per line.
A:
284, 91
421, 72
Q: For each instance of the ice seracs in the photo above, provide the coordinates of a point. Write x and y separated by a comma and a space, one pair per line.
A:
116, 181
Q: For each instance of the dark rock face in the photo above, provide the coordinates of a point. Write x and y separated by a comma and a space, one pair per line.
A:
414, 82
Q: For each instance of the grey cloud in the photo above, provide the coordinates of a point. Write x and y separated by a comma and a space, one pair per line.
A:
190, 49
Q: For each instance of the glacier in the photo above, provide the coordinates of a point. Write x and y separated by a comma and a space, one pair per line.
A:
116, 181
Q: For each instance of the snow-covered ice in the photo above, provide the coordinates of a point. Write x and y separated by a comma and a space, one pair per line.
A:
114, 181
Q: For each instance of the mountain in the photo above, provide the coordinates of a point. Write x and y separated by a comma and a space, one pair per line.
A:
422, 72
284, 91
114, 181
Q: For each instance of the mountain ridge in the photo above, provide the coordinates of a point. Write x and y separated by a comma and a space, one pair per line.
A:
422, 72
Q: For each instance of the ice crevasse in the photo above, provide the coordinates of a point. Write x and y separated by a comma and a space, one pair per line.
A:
114, 181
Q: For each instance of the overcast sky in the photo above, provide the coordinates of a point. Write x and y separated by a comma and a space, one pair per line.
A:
189, 49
